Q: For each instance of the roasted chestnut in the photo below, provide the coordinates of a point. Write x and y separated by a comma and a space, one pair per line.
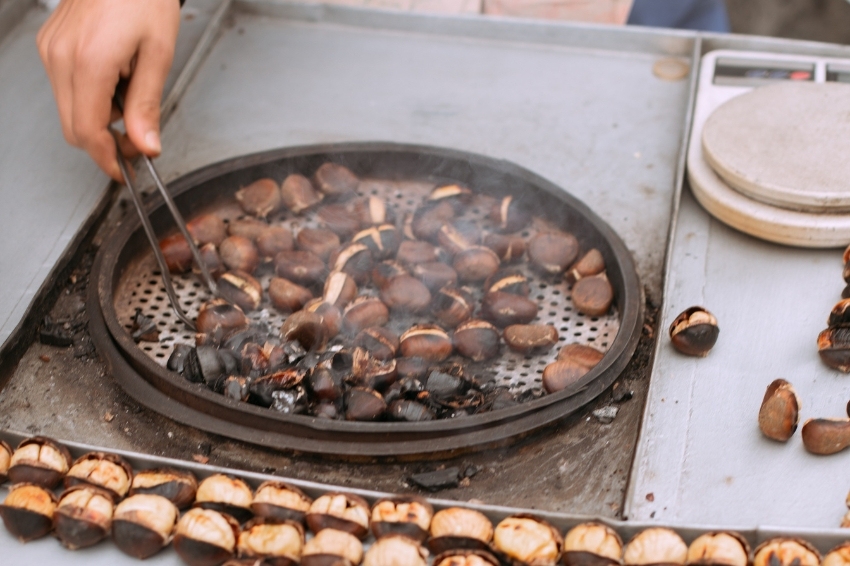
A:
382, 343
298, 194
355, 260
331, 316
260, 198
457, 195
307, 328
340, 219
528, 539
383, 272
39, 460
107, 471
593, 295
426, 341
655, 546
413, 252
406, 294
248, 227
288, 296
718, 549
452, 306
694, 332
272, 241
509, 247
508, 216
28, 511
279, 501
409, 411
340, 511
552, 252
838, 556
218, 317
304, 268
530, 338
210, 258
412, 367
280, 544
466, 557
83, 516
435, 275
371, 372
505, 309
457, 238
834, 347
207, 229
340, 289
362, 404
395, 550
239, 253
331, 547
826, 436
5, 459
477, 340
364, 312
226, 494
476, 263
780, 411
782, 551
318, 241
204, 537
373, 211
143, 524
240, 289
574, 361
591, 263
840, 314
177, 253
335, 180
406, 515
178, 486
457, 527
508, 281
592, 544
383, 241
429, 218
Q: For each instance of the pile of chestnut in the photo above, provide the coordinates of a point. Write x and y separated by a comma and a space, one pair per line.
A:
834, 341
222, 520
386, 318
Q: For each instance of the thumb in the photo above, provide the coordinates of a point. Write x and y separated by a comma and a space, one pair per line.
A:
144, 94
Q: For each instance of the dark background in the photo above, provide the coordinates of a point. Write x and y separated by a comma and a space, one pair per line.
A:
817, 20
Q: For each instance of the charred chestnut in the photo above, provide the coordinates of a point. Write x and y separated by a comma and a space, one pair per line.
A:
260, 198
39, 460
528, 539
143, 524
834, 348
384, 272
457, 527
178, 486
307, 328
332, 546
340, 511
552, 252
592, 544
780, 411
280, 544
452, 306
426, 341
505, 309
239, 253
371, 372
301, 267
408, 515
83, 516
655, 546
395, 550
508, 281
785, 552
288, 296
335, 180
530, 338
383, 241
218, 317
476, 263
331, 316
593, 295
840, 314
406, 294
249, 227
510, 248
298, 194
364, 312
477, 340
226, 494
340, 219
340, 289
694, 332
355, 260
241, 289
457, 238
410, 411
212, 261
826, 436
279, 501
272, 241
508, 216
204, 537
591, 263
373, 211
107, 471
382, 343
412, 367
318, 241
362, 404
429, 218
718, 549
28, 511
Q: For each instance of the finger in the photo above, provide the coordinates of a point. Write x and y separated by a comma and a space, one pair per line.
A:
93, 86
128, 149
144, 95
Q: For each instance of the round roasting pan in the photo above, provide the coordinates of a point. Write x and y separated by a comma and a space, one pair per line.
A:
193, 404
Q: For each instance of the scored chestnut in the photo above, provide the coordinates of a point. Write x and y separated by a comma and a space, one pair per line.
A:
288, 296
593, 295
456, 195
301, 267
298, 194
226, 494
477, 340
143, 524
383, 241
178, 486
340, 511
340, 219
363, 404
466, 557
694, 332
655, 546
241, 289
530, 338
834, 348
406, 515
307, 328
332, 546
278, 501
107, 471
177, 253
383, 272
28, 511
718, 549
528, 539
204, 537
429, 218
457, 527
838, 556
260, 198
413, 252
207, 229
435, 274
340, 289
574, 361
218, 317
393, 550
591, 263
39, 460
364, 312
452, 306
248, 227
780, 411
331, 316
5, 459
781, 551
355, 260
83, 516
509, 247
279, 544
382, 343
455, 238
476, 263
373, 211
426, 341
509, 216
592, 544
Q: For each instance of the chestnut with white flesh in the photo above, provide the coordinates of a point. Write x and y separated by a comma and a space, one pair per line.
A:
466, 557
28, 511
5, 460
457, 527
655, 546
395, 550
331, 547
783, 551
143, 524
226, 494
280, 544
529, 540
278, 501
838, 556
718, 549
178, 486
340, 511
592, 544
108, 471
39, 460
83, 516
205, 537
409, 516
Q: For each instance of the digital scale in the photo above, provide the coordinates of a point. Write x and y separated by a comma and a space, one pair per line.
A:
775, 162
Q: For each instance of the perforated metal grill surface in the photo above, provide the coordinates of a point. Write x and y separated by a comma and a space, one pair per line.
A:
141, 287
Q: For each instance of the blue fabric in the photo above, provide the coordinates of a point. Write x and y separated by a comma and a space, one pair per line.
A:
704, 15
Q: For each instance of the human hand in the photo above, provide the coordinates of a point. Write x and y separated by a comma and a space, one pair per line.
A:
87, 46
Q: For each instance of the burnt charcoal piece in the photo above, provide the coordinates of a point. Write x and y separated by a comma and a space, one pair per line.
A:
144, 328
211, 366
363, 404
261, 391
55, 334
503, 400
372, 373
383, 241
442, 385
178, 358
438, 479
236, 388
410, 411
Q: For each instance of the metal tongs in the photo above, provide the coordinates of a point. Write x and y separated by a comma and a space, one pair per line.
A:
146, 223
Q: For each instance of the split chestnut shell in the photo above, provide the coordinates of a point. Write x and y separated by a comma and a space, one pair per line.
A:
592, 544
340, 511
653, 546
107, 471
39, 460
529, 540
204, 537
28, 511
178, 486
408, 515
782, 551
457, 527
226, 494
280, 544
83, 516
279, 501
395, 550
719, 549
332, 547
143, 524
